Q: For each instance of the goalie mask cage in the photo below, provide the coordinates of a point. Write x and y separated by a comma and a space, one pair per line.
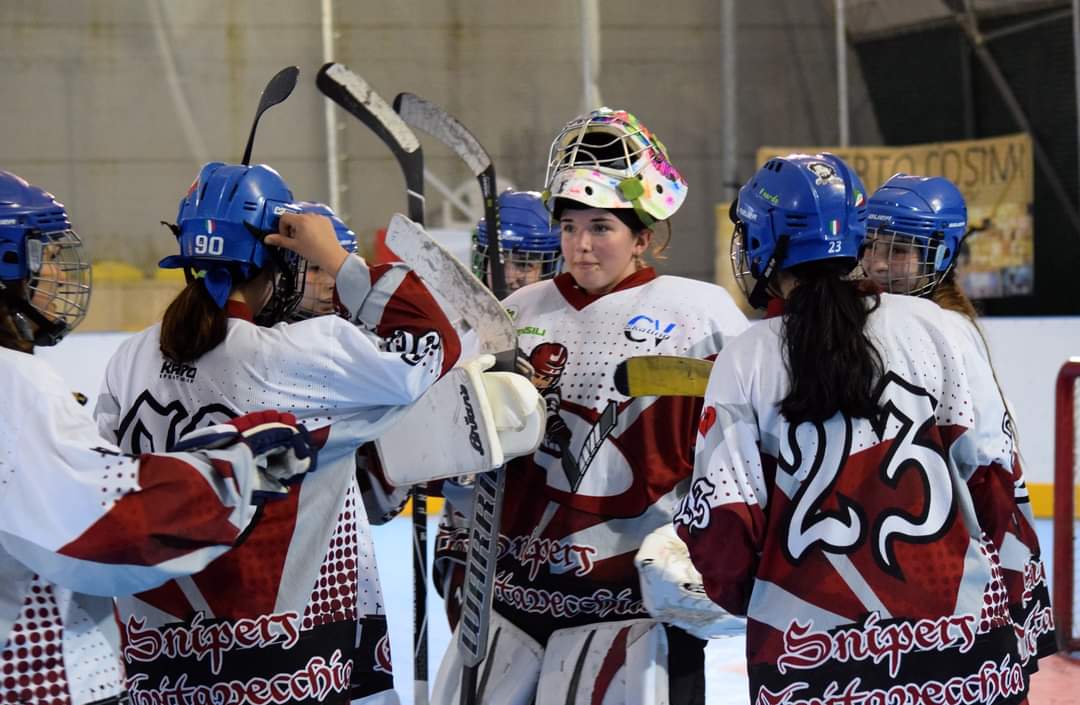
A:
1066, 530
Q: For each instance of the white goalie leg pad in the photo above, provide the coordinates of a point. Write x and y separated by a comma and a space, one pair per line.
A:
673, 591
507, 676
612, 663
466, 423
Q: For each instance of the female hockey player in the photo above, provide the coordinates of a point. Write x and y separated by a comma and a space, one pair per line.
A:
611, 468
834, 499
294, 614
915, 227
80, 521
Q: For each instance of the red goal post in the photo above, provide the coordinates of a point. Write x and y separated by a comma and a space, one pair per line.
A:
1066, 476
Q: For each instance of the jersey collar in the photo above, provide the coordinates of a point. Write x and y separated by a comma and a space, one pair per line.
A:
238, 309
579, 298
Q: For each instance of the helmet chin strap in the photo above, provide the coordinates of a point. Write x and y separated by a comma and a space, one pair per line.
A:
759, 297
33, 325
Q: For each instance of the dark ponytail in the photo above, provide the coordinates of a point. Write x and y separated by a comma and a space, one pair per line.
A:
831, 362
193, 324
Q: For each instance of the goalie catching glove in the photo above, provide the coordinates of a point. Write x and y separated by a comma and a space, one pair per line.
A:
469, 422
673, 591
281, 448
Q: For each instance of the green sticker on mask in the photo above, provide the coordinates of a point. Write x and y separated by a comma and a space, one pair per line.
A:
630, 189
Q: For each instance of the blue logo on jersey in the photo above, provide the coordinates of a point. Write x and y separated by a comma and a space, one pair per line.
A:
641, 328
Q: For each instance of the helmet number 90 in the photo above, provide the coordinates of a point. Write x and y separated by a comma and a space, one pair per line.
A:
209, 244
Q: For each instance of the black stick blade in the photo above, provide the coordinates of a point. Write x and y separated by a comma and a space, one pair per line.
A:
277, 90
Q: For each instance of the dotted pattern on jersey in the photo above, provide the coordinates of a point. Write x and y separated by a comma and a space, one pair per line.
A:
32, 661
118, 478
596, 336
334, 595
995, 609
914, 351
93, 666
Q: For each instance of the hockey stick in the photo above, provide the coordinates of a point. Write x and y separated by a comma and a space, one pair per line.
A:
432, 119
484, 313
352, 93
479, 588
662, 375
277, 90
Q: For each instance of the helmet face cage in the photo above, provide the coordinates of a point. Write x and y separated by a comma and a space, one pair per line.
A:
608, 159
612, 142
289, 278
315, 282
58, 277
740, 261
902, 263
521, 266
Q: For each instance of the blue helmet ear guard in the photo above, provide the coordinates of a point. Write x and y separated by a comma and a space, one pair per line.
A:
527, 236
796, 209
922, 218
220, 227
44, 274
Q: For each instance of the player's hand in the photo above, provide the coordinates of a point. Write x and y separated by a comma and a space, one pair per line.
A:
312, 237
281, 448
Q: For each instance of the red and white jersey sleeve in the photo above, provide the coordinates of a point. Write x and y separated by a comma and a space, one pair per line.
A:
77, 516
854, 546
297, 602
1002, 502
610, 468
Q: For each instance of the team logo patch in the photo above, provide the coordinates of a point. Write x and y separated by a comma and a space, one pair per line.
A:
642, 329
178, 371
824, 172
413, 348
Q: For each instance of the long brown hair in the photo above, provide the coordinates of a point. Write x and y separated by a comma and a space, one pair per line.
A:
193, 324
9, 332
831, 362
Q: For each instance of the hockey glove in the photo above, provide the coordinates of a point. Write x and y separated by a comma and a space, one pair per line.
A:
281, 448
673, 591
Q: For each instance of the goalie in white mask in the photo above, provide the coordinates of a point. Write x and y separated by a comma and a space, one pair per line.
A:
610, 469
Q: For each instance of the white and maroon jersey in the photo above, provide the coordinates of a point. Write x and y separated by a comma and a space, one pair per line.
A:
79, 521
1004, 508
293, 613
610, 468
858, 548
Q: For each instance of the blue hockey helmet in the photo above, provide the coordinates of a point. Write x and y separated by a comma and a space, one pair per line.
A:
319, 285
915, 227
796, 209
39, 249
345, 235
530, 242
220, 227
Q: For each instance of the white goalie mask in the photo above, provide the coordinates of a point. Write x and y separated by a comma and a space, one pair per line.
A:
607, 159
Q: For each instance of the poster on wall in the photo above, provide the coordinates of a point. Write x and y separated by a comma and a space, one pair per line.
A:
997, 179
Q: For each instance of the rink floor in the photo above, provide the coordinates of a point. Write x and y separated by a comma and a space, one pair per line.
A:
1056, 684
